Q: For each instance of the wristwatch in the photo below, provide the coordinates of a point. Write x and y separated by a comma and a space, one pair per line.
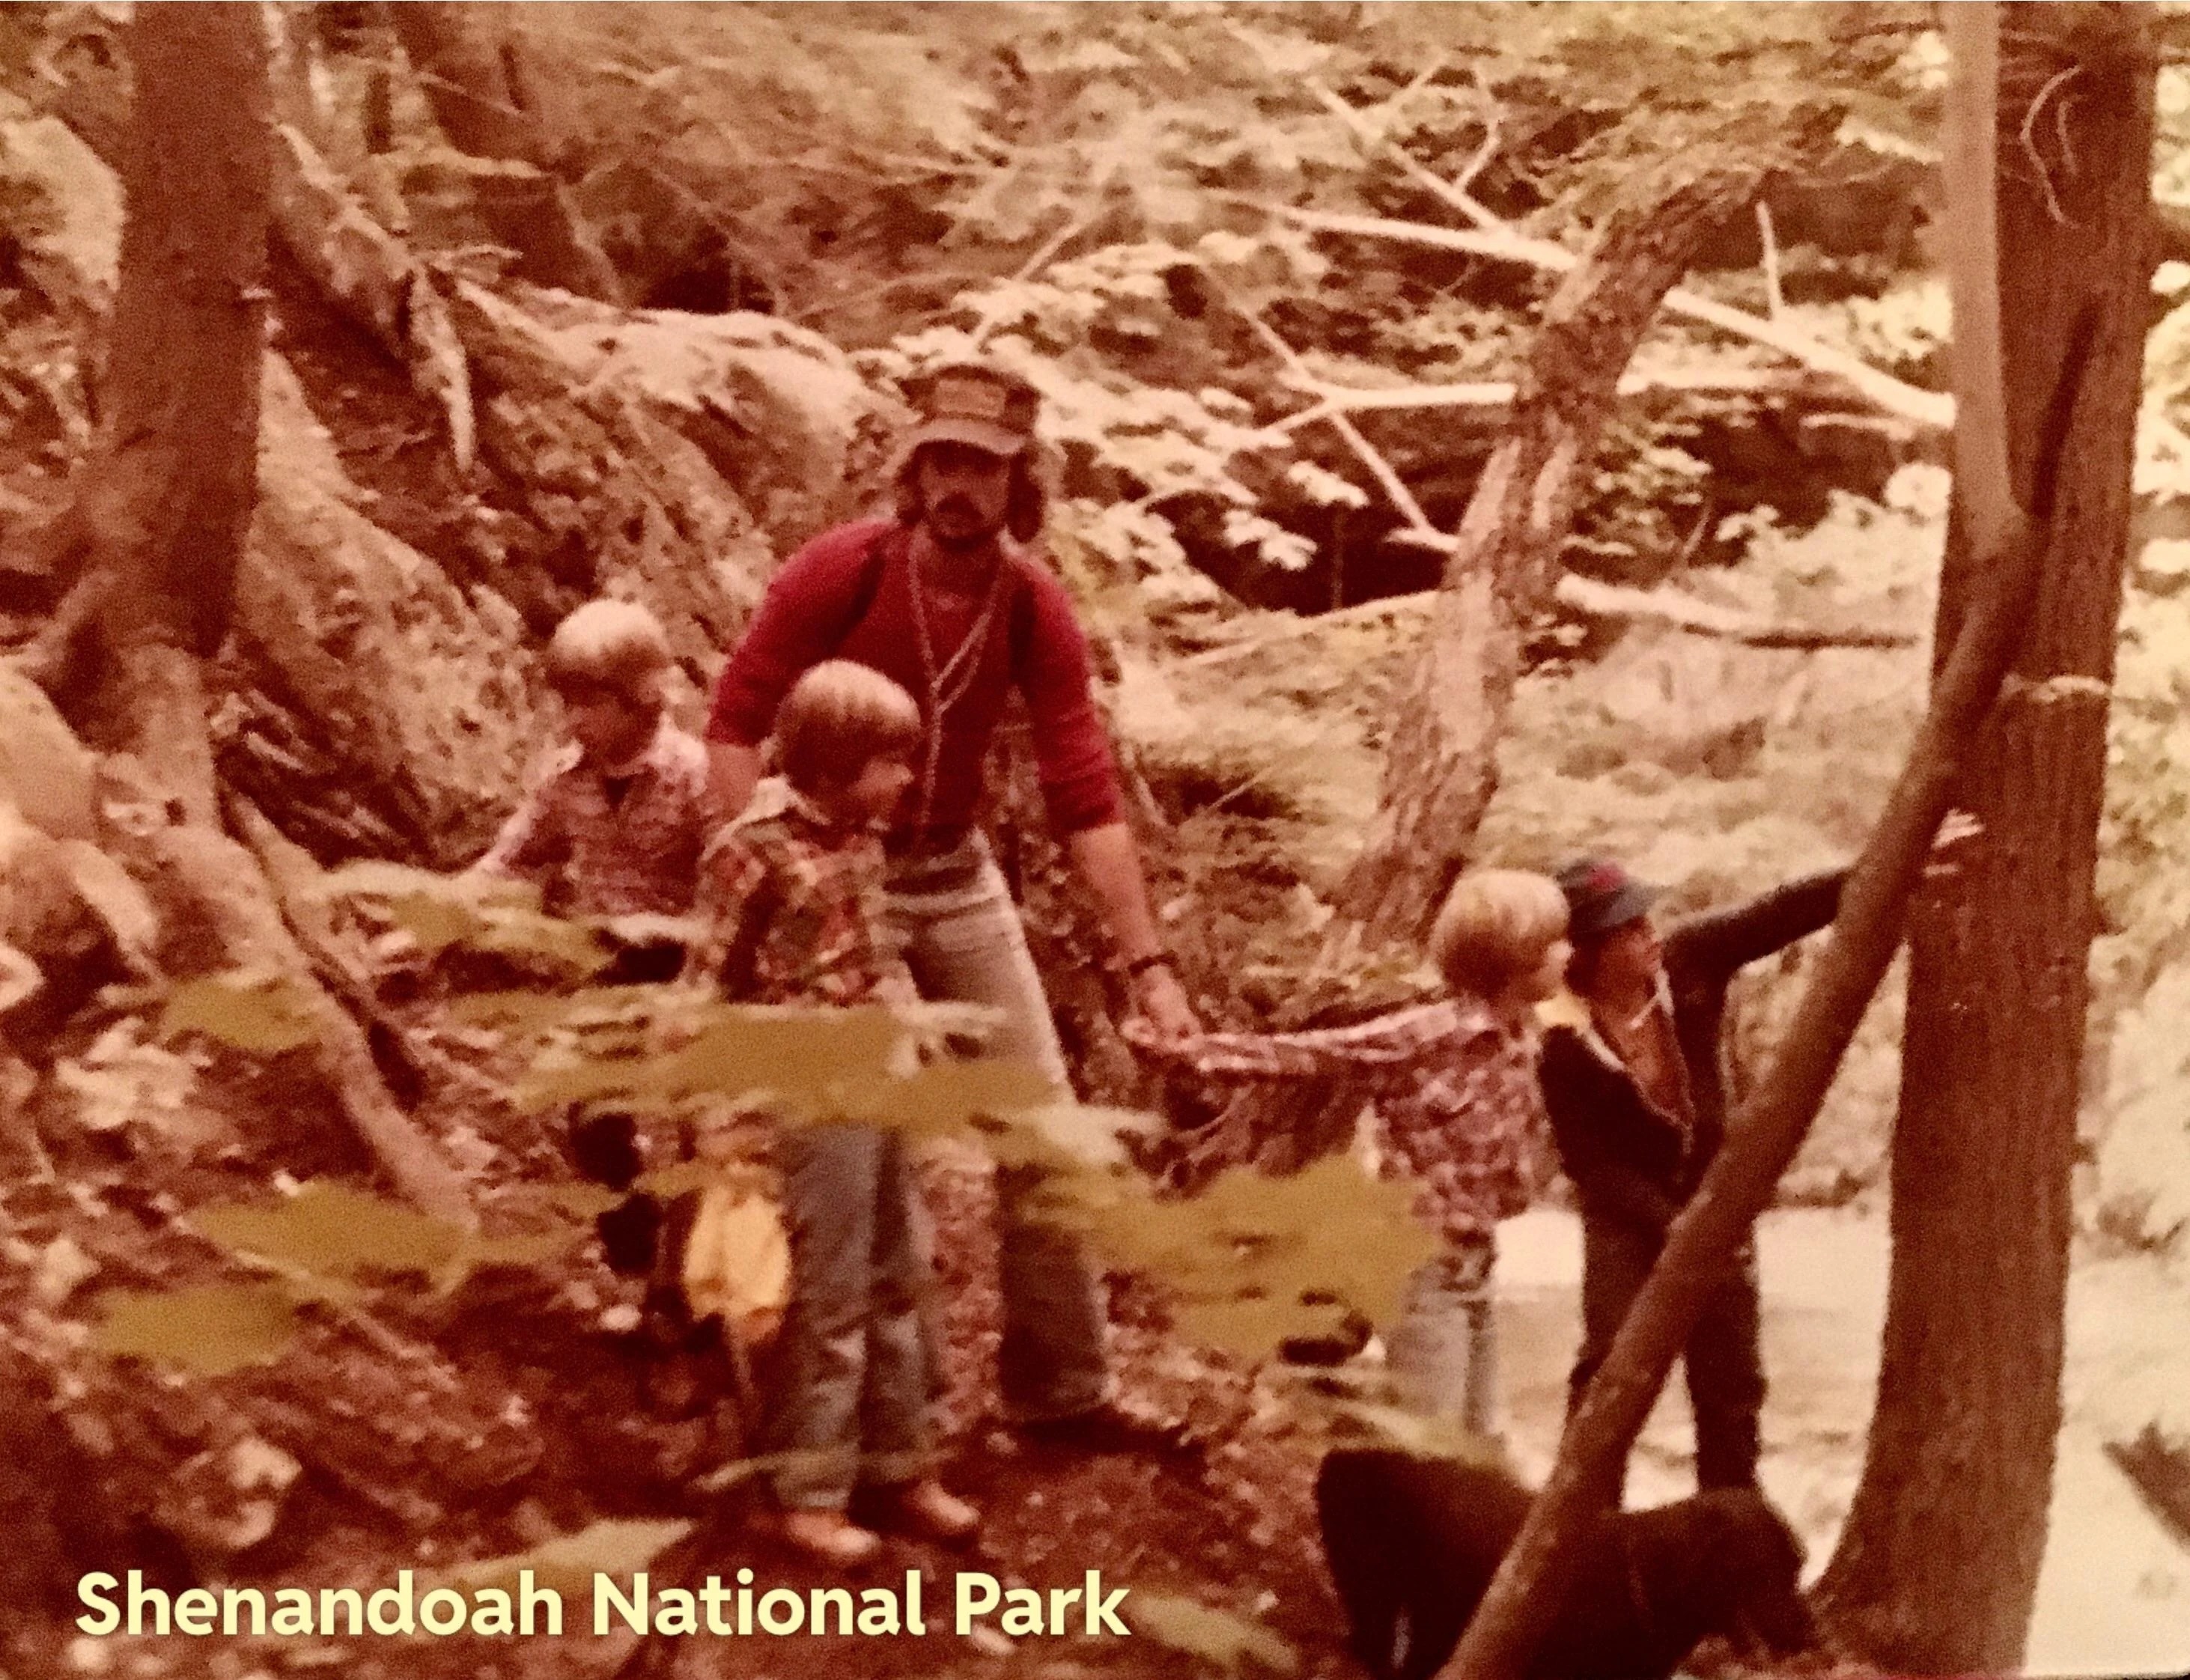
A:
1141, 965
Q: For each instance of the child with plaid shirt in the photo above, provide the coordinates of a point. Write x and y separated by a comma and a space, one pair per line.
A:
793, 892
1455, 1089
616, 826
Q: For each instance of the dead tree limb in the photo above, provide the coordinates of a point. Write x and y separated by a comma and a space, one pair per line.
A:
1440, 768
468, 68
1499, 242
1498, 393
1591, 599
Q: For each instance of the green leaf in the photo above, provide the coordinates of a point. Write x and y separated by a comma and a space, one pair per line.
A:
1218, 1638
477, 912
805, 1061
943, 1096
1253, 1259
261, 1014
211, 1329
332, 1230
333, 1237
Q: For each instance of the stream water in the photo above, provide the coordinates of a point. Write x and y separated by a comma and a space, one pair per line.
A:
2115, 1597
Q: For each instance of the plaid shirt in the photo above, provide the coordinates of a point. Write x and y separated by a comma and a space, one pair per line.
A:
794, 904
618, 842
1457, 1095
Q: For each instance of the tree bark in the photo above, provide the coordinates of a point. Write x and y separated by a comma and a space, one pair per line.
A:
1938, 1568
1440, 768
181, 390
163, 510
468, 67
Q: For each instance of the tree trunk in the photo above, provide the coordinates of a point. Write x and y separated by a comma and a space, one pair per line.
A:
1441, 767
468, 68
2013, 470
1938, 1569
181, 390
162, 511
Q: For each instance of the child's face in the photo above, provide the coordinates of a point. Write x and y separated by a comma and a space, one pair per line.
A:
875, 794
609, 724
1549, 973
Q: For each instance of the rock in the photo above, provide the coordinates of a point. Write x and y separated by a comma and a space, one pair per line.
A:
774, 407
227, 1499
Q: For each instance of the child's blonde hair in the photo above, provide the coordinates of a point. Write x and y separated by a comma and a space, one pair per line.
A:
838, 716
614, 644
1495, 926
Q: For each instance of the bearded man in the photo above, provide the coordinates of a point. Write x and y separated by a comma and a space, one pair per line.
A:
947, 599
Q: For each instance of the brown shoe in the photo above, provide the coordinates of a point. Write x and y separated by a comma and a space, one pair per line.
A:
829, 1537
933, 1512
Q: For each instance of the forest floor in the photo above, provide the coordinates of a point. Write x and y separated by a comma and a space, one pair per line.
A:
1235, 1530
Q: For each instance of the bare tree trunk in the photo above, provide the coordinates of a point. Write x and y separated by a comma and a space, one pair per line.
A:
161, 514
467, 64
1938, 1569
1441, 767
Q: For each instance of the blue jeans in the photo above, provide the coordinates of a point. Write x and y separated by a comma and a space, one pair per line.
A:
962, 941
853, 1386
1444, 1351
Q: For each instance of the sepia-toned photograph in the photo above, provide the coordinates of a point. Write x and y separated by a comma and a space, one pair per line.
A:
1255, 840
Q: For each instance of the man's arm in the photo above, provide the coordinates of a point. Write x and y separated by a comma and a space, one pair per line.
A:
810, 606
733, 773
1720, 941
1110, 863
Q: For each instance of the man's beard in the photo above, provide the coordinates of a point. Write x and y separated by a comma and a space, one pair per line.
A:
967, 533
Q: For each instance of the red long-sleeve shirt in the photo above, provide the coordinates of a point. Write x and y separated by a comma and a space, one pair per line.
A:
848, 595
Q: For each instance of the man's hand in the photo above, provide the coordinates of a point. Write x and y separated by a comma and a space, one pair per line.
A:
1161, 1001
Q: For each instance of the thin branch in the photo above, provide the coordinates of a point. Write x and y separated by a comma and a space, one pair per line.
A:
1494, 129
1370, 136
1774, 305
1369, 456
1499, 392
1500, 242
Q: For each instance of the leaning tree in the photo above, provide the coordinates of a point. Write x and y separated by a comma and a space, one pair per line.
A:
1961, 1453
1937, 1569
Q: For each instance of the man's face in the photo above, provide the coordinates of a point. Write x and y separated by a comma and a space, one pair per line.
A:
965, 493
1629, 958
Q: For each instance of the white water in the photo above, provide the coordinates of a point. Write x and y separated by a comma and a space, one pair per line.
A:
2115, 1597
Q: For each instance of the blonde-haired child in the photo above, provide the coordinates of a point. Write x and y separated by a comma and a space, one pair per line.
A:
795, 896
617, 824
1455, 1085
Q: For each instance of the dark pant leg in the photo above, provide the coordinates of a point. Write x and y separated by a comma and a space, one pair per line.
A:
1615, 1262
1725, 1378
